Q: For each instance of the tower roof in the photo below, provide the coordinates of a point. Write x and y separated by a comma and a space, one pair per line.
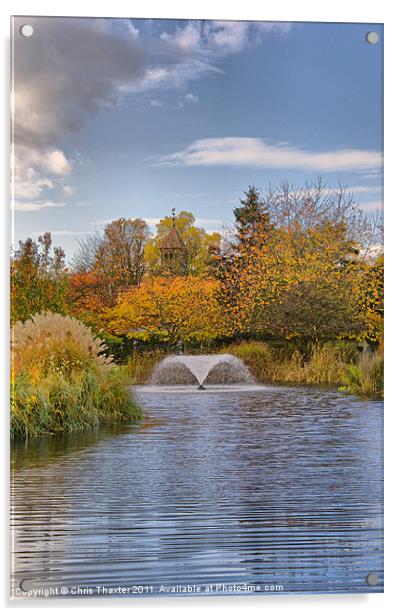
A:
172, 240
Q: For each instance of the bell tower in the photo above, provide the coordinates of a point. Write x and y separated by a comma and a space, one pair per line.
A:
172, 249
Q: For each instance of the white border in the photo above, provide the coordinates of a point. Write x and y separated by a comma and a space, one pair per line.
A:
285, 10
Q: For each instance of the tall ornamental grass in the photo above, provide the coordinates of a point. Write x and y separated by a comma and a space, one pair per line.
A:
334, 363
62, 379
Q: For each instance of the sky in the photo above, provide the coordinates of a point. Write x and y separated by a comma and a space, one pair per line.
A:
129, 118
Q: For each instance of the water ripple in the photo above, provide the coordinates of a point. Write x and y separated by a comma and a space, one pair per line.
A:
260, 486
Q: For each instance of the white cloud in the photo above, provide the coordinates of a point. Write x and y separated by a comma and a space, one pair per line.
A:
363, 189
36, 171
68, 191
256, 153
221, 37
91, 67
57, 163
30, 184
33, 206
55, 91
188, 37
371, 206
155, 102
132, 29
229, 36
191, 98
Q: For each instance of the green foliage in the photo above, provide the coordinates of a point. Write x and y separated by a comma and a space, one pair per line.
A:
59, 403
198, 247
120, 347
38, 279
251, 219
366, 377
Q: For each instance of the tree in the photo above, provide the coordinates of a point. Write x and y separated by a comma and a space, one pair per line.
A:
371, 299
313, 206
120, 256
251, 219
299, 277
85, 298
198, 247
38, 278
180, 308
106, 265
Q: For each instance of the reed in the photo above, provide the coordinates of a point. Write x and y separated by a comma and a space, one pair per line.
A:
333, 363
366, 377
63, 381
141, 365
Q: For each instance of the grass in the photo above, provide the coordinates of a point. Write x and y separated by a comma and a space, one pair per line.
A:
366, 377
141, 365
334, 363
63, 381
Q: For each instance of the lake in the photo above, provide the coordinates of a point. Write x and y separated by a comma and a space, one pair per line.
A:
275, 489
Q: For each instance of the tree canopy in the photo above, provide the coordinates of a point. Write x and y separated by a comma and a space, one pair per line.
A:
198, 247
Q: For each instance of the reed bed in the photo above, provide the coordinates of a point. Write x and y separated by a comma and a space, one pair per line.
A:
63, 380
336, 363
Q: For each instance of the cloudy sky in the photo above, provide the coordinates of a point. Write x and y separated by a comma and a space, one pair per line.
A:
129, 118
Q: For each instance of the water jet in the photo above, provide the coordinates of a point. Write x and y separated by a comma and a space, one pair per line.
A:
224, 369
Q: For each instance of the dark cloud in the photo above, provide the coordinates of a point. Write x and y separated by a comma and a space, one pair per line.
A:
68, 69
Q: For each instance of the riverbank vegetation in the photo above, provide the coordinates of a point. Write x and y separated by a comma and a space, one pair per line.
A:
62, 380
294, 287
339, 364
335, 363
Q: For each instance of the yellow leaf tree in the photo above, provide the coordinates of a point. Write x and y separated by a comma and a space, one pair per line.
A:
170, 310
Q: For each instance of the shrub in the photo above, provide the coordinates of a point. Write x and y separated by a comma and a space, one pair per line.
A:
257, 356
366, 377
62, 379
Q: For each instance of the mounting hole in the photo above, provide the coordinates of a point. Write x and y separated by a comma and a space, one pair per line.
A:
372, 579
26, 30
26, 585
372, 37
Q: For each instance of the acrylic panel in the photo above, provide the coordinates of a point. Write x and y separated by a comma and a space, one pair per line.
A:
196, 308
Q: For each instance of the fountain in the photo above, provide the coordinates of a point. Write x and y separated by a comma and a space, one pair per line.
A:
201, 370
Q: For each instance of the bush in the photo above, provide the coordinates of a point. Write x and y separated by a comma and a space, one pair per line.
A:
257, 356
366, 377
62, 379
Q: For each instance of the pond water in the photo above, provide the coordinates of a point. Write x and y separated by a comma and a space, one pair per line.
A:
276, 488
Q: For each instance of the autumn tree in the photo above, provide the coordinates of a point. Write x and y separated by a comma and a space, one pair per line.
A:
106, 265
38, 278
197, 252
299, 276
371, 299
169, 310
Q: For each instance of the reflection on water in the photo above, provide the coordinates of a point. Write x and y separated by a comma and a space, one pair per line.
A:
279, 486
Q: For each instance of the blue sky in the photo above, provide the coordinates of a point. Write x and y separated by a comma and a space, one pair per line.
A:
129, 118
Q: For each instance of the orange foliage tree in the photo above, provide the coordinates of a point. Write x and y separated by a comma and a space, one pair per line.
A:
104, 266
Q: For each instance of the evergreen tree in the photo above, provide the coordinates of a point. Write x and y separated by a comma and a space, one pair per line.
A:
251, 219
